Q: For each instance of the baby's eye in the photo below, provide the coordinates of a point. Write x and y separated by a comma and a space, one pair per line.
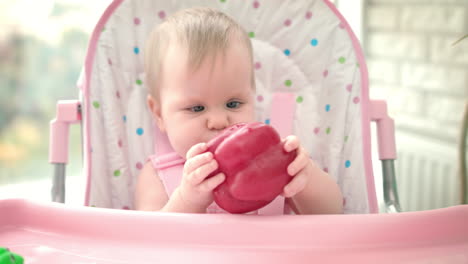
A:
197, 108
233, 104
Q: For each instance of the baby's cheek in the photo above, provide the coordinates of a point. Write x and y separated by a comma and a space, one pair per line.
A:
183, 148
246, 116
178, 144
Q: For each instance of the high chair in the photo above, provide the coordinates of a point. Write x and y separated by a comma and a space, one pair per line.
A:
311, 81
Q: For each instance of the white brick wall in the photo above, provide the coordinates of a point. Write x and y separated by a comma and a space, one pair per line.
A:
396, 45
424, 78
441, 50
446, 109
448, 80
383, 17
384, 71
433, 18
412, 61
439, 2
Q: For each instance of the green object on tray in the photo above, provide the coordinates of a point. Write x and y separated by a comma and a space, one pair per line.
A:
8, 257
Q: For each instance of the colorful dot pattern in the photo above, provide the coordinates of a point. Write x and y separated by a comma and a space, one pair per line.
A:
139, 166
289, 23
140, 131
348, 164
314, 42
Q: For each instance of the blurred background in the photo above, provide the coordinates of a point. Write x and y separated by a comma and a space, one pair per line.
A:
411, 58
42, 50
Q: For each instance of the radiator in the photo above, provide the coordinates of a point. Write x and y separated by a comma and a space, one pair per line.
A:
426, 172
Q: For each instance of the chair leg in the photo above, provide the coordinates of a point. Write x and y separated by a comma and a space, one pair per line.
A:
68, 112
390, 189
58, 185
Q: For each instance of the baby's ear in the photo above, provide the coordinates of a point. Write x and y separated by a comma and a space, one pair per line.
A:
155, 108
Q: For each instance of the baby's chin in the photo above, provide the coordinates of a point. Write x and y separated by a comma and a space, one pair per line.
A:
182, 152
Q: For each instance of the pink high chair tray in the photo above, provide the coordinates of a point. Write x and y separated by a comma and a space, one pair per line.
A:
55, 233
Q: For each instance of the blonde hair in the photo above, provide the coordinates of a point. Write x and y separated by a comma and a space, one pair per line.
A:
203, 31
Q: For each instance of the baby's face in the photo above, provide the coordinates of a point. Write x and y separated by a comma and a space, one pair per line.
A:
196, 105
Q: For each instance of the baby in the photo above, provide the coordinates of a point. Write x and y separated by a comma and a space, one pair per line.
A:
199, 67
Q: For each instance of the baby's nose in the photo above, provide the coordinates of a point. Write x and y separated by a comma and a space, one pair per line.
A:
217, 121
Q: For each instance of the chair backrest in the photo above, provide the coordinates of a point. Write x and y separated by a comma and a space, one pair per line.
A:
304, 48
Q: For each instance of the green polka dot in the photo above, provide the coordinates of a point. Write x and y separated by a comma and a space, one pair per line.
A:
328, 130
357, 65
341, 60
93, 205
103, 29
222, 1
117, 173
139, 82
251, 34
96, 104
299, 99
346, 139
288, 83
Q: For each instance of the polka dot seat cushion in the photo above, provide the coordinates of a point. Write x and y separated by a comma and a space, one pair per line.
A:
300, 47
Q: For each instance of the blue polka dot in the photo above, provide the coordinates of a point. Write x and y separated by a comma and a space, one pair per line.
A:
124, 118
314, 42
267, 121
327, 108
348, 164
140, 131
287, 52
136, 50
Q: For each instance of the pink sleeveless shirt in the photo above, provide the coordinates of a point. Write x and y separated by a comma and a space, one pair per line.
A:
169, 169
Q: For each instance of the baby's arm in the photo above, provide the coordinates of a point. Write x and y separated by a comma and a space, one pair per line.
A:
311, 191
150, 194
193, 195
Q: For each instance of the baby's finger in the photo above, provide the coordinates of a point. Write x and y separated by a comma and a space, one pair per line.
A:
296, 185
199, 175
299, 163
210, 184
197, 161
291, 143
195, 150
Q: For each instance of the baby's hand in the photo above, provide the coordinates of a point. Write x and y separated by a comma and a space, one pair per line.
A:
300, 168
195, 189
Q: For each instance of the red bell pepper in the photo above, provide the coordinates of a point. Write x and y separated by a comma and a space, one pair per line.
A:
253, 159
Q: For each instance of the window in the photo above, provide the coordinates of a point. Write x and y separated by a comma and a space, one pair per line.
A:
42, 50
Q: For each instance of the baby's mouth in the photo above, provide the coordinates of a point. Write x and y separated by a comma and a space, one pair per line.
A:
212, 135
